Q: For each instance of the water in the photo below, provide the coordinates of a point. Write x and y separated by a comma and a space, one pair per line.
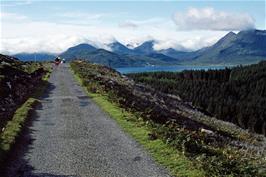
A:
126, 70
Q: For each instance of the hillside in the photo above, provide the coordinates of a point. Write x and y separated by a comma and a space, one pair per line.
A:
241, 48
17, 81
235, 95
119, 48
121, 58
78, 51
145, 48
35, 56
180, 55
220, 148
111, 59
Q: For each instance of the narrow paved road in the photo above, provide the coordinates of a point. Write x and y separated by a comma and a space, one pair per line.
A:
71, 137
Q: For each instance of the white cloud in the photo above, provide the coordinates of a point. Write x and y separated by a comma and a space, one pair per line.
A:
159, 45
82, 15
152, 22
202, 41
5, 16
15, 3
194, 42
211, 19
128, 24
23, 34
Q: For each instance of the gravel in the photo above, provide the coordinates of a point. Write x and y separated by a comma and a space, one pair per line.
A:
70, 136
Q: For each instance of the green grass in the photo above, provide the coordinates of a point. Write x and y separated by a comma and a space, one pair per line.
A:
164, 154
13, 127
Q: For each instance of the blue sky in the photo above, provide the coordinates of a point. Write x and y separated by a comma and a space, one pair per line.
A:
49, 26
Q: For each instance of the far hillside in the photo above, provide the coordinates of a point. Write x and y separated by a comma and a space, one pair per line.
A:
35, 56
236, 95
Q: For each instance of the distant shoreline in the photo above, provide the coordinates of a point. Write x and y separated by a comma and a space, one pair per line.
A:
174, 68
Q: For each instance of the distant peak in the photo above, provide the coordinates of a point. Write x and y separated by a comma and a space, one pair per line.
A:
115, 43
83, 44
231, 34
147, 43
171, 49
152, 41
228, 37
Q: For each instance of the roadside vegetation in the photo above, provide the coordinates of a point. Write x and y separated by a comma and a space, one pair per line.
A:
182, 143
141, 130
13, 126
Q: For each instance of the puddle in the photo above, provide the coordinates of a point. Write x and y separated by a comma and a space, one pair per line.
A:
137, 158
84, 100
83, 97
83, 103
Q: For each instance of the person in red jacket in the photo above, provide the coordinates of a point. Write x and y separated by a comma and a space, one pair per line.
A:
57, 61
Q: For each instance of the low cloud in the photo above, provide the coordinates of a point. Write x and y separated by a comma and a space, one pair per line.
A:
15, 3
199, 42
82, 15
6, 16
152, 22
128, 24
187, 44
48, 44
211, 19
159, 45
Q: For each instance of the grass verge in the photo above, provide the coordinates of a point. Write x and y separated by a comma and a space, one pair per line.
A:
164, 154
14, 127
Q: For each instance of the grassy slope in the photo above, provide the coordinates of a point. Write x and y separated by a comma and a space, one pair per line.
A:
163, 153
13, 128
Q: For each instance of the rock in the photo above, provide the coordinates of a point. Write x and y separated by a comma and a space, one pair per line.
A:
206, 131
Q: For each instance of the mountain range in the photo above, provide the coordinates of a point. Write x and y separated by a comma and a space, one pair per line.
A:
245, 47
